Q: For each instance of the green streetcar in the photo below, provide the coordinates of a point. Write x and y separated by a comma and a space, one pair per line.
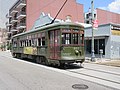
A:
54, 44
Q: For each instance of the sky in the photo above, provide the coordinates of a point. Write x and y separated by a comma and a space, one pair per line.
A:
110, 5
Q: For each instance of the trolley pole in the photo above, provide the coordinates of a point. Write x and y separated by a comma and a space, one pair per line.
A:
92, 49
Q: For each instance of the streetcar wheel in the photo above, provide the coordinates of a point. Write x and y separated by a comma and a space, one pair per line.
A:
63, 65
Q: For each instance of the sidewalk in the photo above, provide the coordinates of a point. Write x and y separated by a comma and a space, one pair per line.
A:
103, 61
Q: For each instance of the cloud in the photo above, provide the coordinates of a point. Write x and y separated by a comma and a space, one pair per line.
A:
114, 6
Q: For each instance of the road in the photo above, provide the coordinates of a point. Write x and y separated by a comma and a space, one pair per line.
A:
102, 74
17, 74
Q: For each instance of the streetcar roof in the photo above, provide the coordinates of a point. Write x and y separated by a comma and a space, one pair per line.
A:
49, 26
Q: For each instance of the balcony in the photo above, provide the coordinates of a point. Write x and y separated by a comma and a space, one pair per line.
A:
13, 20
8, 24
21, 26
13, 29
13, 11
21, 3
8, 16
9, 33
21, 15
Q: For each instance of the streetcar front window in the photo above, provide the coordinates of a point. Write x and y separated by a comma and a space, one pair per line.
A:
75, 38
82, 38
66, 38
72, 36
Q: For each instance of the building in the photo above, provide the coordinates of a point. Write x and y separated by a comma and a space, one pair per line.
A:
23, 14
3, 39
71, 8
106, 38
103, 16
16, 18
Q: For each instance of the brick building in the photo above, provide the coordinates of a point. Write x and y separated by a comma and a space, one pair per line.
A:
24, 13
35, 8
103, 17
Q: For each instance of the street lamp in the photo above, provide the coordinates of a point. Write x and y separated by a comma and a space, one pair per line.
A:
92, 49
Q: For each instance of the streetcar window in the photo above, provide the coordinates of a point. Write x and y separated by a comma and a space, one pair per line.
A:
23, 43
20, 43
75, 30
41, 41
27, 43
30, 43
75, 38
35, 42
81, 38
66, 38
51, 36
66, 30
15, 44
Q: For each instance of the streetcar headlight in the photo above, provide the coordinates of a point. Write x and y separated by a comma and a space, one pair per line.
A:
76, 52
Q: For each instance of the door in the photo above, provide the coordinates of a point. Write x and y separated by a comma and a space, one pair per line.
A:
54, 44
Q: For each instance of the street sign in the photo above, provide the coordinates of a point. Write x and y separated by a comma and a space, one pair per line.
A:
95, 24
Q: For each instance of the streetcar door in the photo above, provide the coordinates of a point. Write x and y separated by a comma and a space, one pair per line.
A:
54, 44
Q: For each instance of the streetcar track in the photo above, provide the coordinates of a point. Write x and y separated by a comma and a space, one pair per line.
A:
103, 71
94, 77
108, 72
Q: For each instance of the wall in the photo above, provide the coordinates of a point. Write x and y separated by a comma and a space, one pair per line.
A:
99, 31
105, 17
115, 46
102, 32
35, 7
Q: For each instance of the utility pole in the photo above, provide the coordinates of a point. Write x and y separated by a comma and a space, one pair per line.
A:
92, 49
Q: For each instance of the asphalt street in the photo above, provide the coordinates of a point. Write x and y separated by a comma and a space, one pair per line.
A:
17, 74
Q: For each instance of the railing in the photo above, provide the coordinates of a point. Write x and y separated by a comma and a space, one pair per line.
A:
21, 1
16, 4
8, 16
8, 24
21, 13
21, 24
14, 18
14, 28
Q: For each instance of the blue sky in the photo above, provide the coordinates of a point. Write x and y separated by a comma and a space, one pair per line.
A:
97, 3
110, 5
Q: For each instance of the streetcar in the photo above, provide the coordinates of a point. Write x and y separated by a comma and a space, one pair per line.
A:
54, 44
